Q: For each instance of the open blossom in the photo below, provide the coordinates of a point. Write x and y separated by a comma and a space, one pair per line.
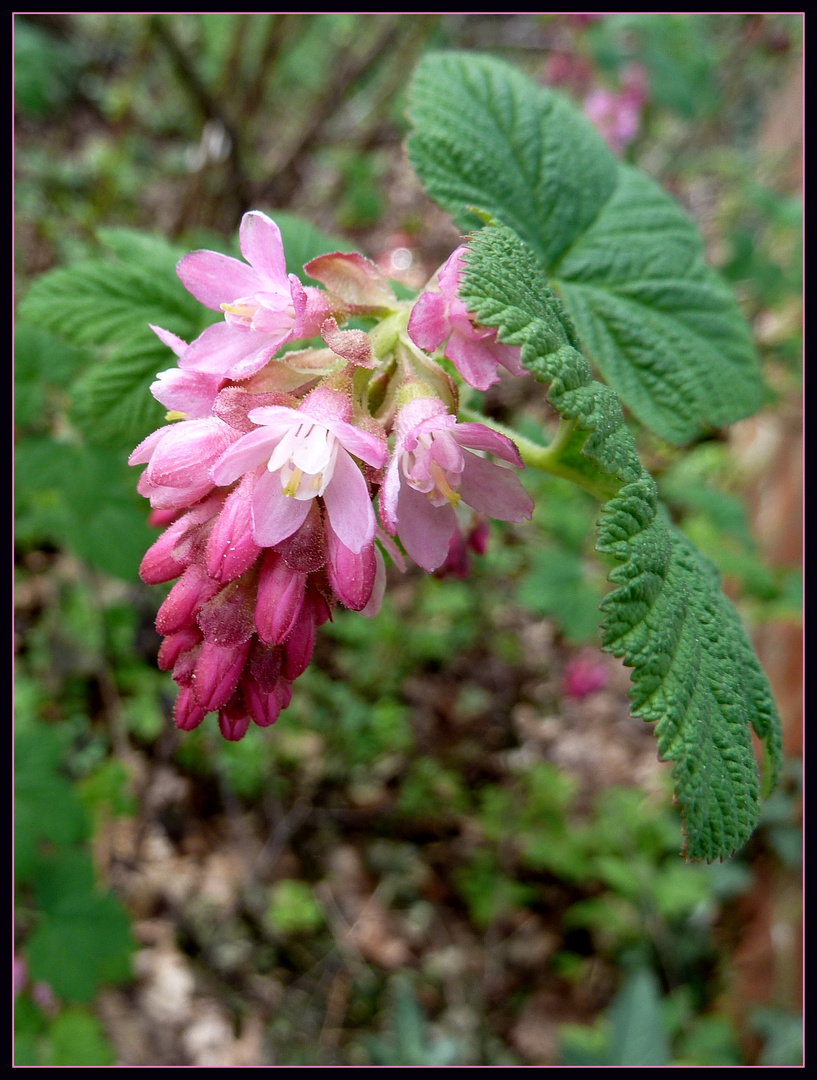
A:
308, 453
264, 307
433, 468
443, 317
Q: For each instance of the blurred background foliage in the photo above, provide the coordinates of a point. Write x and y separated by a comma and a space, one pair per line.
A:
456, 847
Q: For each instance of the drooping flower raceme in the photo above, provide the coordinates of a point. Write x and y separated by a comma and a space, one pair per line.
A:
269, 469
442, 316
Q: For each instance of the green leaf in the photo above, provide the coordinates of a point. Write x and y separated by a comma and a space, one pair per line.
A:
47, 809
637, 1033
556, 585
101, 302
77, 1038
112, 403
694, 671
83, 497
46, 70
42, 363
84, 941
661, 326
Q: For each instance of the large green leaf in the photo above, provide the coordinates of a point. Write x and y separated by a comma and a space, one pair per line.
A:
82, 497
694, 670
660, 324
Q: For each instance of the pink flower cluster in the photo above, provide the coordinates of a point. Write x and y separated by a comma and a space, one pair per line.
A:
272, 471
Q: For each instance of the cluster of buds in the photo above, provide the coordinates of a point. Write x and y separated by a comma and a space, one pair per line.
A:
283, 477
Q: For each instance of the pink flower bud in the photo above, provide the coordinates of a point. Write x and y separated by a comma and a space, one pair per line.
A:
187, 714
187, 596
351, 574
233, 719
280, 599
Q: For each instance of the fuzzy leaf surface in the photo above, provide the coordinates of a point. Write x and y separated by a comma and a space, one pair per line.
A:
694, 670
660, 324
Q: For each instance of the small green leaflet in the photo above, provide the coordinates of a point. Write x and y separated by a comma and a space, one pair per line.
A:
661, 325
106, 305
694, 671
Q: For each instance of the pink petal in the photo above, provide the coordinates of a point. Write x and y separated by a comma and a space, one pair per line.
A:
275, 516
254, 448
315, 313
216, 279
144, 450
480, 437
173, 341
190, 392
370, 448
492, 490
175, 644
226, 350
263, 248
473, 360
389, 493
264, 706
349, 504
451, 274
425, 530
327, 406
190, 592
305, 550
187, 451
428, 324
355, 280
510, 356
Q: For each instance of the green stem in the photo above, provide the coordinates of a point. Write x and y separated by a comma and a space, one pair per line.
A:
550, 458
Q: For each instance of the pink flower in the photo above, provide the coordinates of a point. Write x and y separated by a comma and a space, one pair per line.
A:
308, 453
431, 471
618, 115
474, 351
179, 456
584, 675
264, 307
179, 459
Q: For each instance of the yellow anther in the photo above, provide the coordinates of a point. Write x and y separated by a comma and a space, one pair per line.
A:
292, 483
243, 310
443, 486
174, 414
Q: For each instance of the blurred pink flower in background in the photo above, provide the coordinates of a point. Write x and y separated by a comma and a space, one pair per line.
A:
584, 675
617, 114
